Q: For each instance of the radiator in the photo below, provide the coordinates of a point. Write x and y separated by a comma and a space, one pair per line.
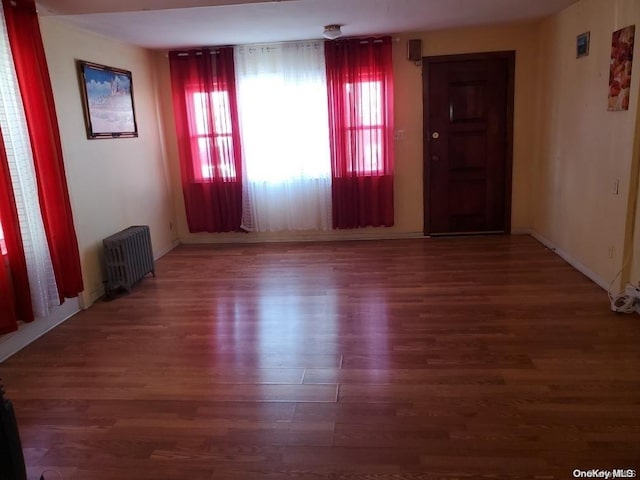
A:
128, 258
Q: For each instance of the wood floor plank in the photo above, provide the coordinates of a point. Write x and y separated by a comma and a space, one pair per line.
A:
389, 376
423, 359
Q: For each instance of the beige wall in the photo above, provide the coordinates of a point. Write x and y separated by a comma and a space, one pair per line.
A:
408, 106
631, 272
581, 148
113, 183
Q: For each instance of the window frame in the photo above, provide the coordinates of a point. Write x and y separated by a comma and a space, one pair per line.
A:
355, 128
211, 137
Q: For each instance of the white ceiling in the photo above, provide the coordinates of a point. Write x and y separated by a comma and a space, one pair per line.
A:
163, 24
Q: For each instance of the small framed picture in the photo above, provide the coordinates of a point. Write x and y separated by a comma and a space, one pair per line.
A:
582, 44
107, 97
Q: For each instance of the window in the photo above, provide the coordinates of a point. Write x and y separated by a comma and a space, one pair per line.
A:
212, 135
365, 128
282, 104
203, 89
360, 87
284, 127
3, 246
303, 128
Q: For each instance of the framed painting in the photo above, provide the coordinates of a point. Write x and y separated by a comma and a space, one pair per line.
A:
620, 68
107, 96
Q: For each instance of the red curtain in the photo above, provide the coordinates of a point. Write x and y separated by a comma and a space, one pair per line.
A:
206, 114
15, 296
35, 88
360, 88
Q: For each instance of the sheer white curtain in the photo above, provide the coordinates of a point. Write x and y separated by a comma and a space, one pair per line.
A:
44, 292
284, 126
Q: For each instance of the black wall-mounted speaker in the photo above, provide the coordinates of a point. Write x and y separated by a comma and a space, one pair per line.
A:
414, 50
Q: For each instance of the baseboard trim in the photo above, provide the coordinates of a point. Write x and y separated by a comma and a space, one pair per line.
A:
173, 245
299, 237
581, 267
12, 343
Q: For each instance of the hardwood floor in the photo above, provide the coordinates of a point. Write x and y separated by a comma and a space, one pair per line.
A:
383, 360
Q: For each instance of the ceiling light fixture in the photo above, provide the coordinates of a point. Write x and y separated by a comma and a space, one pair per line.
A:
332, 32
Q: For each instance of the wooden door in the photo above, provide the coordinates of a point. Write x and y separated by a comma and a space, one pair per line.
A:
468, 105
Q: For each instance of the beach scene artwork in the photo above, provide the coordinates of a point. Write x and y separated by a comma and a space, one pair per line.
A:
108, 96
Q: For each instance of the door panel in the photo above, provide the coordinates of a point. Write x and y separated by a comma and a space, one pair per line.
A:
468, 110
467, 150
466, 102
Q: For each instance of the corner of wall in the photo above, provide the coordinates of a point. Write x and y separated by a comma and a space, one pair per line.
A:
113, 183
581, 149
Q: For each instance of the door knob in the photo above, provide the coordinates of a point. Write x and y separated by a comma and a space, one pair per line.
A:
435, 135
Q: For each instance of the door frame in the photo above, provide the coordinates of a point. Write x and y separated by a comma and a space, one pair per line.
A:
510, 57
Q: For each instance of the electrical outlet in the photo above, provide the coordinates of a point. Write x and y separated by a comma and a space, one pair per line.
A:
400, 135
